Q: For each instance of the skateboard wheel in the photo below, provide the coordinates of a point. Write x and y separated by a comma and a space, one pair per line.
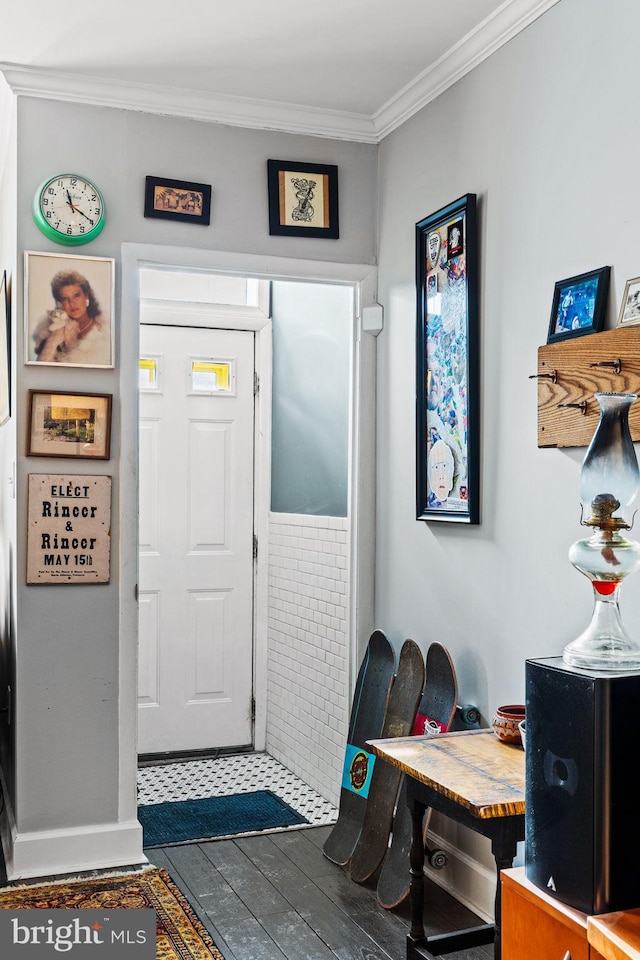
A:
437, 859
468, 713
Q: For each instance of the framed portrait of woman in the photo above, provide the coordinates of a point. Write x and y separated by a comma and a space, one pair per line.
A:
69, 310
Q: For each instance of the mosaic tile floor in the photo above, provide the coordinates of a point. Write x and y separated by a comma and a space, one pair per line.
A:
225, 776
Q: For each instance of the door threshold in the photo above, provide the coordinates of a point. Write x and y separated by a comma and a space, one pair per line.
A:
183, 756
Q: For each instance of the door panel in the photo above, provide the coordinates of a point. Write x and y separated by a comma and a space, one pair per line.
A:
196, 541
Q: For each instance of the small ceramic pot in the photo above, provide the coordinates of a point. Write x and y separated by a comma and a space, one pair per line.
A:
522, 727
506, 720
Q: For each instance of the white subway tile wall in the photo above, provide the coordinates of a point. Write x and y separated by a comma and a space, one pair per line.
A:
308, 669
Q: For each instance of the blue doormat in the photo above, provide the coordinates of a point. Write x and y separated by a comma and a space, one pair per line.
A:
183, 821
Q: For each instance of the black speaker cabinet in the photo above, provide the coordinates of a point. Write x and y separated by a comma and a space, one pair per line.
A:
582, 813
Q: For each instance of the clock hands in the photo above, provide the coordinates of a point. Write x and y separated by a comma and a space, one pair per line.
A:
78, 210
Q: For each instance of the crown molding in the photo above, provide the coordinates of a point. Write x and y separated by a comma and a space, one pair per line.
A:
507, 21
190, 104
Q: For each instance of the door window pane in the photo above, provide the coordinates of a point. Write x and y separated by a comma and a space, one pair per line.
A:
148, 373
211, 376
312, 345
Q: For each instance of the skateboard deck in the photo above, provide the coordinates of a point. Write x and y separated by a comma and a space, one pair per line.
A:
368, 709
404, 698
435, 714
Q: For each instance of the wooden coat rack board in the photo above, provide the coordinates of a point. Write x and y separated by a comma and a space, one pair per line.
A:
571, 371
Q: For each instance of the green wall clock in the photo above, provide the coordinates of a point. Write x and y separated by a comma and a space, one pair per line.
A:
69, 209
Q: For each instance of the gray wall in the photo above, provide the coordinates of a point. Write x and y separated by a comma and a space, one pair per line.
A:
67, 755
544, 133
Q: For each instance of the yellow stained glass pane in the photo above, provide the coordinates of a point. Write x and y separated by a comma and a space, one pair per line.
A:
210, 375
148, 372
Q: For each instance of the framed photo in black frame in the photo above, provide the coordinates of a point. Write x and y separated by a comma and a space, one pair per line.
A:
447, 393
303, 199
5, 349
579, 305
177, 200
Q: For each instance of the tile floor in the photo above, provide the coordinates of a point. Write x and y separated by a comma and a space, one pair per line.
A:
225, 776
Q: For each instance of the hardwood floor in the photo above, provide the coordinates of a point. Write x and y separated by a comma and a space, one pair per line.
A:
276, 897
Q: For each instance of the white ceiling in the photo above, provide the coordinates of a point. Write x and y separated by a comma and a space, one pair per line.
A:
349, 68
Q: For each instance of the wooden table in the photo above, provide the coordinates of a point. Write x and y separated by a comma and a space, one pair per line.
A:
476, 780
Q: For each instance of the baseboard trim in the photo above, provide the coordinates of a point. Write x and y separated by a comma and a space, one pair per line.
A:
48, 853
469, 881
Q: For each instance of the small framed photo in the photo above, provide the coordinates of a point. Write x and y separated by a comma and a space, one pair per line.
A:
69, 425
68, 315
579, 305
303, 199
630, 306
177, 200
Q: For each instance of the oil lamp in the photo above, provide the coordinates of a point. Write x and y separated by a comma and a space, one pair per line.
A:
609, 485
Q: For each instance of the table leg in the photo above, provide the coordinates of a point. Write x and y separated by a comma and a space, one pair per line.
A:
416, 859
504, 850
504, 832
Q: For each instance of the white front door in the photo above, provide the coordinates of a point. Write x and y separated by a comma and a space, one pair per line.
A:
196, 539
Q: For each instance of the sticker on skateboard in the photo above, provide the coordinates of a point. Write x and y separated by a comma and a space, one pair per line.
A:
368, 708
436, 709
357, 770
385, 780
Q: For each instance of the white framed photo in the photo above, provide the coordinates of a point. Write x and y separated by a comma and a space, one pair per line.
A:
630, 306
69, 310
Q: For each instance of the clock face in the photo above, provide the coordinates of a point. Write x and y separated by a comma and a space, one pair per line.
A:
69, 209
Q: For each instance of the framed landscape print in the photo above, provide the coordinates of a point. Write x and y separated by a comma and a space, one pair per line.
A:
69, 424
303, 199
447, 429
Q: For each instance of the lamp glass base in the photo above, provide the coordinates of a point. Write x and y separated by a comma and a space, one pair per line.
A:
606, 558
605, 644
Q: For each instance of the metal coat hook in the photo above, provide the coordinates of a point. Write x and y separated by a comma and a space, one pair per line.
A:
581, 406
616, 364
553, 376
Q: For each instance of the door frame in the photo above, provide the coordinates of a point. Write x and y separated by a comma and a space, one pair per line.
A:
363, 279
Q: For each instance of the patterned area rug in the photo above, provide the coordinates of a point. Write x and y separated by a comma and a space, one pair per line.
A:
180, 934
185, 821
